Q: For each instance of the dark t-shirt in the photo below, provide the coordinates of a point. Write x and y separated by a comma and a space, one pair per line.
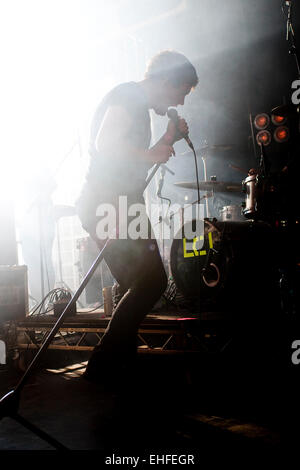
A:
109, 178
124, 174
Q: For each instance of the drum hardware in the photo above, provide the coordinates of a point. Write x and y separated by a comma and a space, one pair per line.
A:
263, 193
182, 209
204, 156
212, 283
210, 267
213, 186
252, 188
205, 152
162, 217
219, 202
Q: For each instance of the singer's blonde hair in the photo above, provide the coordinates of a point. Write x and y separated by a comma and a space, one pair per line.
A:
172, 66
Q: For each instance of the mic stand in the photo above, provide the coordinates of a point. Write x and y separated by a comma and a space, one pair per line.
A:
9, 403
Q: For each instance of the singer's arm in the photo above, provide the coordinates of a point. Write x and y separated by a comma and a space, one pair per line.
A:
113, 142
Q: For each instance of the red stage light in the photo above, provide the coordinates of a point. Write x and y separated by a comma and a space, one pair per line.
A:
263, 137
281, 134
261, 121
277, 120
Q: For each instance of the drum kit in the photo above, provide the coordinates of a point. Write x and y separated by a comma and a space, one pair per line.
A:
237, 253
212, 187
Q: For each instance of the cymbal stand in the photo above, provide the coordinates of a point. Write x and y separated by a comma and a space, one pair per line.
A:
162, 216
205, 179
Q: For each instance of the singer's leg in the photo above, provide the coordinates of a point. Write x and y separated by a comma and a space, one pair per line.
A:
138, 268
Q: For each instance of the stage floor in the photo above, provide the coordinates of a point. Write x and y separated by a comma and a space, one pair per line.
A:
199, 385
156, 411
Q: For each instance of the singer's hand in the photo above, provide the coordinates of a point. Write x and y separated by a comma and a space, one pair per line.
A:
177, 131
160, 153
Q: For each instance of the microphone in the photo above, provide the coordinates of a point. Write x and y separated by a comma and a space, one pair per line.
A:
173, 115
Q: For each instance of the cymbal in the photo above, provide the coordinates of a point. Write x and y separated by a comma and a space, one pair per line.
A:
210, 150
217, 186
216, 148
238, 168
285, 110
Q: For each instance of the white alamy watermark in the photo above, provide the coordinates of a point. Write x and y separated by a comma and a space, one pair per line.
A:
132, 221
296, 94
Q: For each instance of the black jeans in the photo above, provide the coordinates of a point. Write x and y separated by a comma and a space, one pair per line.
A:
137, 267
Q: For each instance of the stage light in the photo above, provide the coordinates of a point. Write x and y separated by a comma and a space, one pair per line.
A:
261, 121
281, 134
278, 120
263, 137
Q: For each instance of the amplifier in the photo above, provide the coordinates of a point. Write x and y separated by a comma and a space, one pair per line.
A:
13, 293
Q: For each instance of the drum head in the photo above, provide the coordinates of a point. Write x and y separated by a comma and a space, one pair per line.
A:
196, 264
233, 262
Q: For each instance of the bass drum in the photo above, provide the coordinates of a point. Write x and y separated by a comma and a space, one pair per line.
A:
234, 269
